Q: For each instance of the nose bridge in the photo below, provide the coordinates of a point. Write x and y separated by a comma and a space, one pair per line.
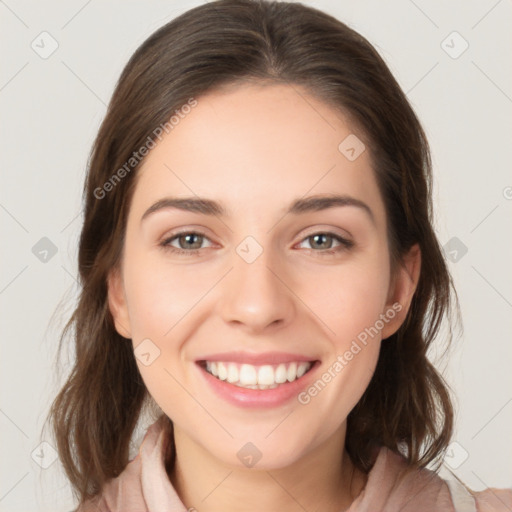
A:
254, 295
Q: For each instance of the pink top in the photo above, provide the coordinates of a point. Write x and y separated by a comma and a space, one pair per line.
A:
144, 486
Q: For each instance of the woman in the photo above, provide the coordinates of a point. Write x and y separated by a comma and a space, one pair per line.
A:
259, 267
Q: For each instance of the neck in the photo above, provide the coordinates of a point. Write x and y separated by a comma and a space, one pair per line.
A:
323, 479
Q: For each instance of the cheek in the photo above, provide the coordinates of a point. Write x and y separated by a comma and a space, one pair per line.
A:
161, 300
349, 303
160, 294
347, 298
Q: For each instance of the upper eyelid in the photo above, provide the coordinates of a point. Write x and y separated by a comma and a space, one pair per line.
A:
327, 231
203, 231
336, 236
174, 236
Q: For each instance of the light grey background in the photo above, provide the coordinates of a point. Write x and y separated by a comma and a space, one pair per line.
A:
51, 111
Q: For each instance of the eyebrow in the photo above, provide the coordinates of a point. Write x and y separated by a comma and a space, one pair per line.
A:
299, 206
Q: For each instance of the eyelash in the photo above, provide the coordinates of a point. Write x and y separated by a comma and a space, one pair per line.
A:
344, 243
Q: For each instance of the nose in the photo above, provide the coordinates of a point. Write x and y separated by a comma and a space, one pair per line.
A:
256, 296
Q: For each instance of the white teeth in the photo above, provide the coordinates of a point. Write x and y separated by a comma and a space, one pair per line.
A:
292, 372
212, 368
232, 373
302, 369
266, 375
257, 377
248, 376
223, 371
281, 374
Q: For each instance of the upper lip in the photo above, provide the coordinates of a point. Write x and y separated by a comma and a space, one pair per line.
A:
257, 359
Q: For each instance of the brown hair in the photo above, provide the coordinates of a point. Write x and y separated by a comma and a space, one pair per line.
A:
407, 405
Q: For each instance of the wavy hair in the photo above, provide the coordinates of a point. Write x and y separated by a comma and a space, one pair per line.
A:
407, 406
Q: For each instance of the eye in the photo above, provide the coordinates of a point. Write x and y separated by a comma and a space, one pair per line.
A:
323, 242
191, 242
188, 242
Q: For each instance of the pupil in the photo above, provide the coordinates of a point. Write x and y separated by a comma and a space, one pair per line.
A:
189, 239
321, 241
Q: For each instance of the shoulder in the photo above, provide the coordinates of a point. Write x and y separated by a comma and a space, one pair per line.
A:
120, 493
494, 500
143, 483
393, 484
487, 500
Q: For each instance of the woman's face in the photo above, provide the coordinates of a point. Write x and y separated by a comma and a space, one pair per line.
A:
256, 249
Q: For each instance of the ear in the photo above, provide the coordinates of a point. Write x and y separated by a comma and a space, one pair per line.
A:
401, 290
117, 303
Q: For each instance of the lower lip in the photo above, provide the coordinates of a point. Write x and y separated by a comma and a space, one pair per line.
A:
244, 397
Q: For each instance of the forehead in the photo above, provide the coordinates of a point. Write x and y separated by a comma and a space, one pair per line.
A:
262, 145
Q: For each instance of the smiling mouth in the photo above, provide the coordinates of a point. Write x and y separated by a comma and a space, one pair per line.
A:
257, 376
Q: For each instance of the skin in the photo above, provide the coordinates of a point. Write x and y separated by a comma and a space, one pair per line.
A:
255, 149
